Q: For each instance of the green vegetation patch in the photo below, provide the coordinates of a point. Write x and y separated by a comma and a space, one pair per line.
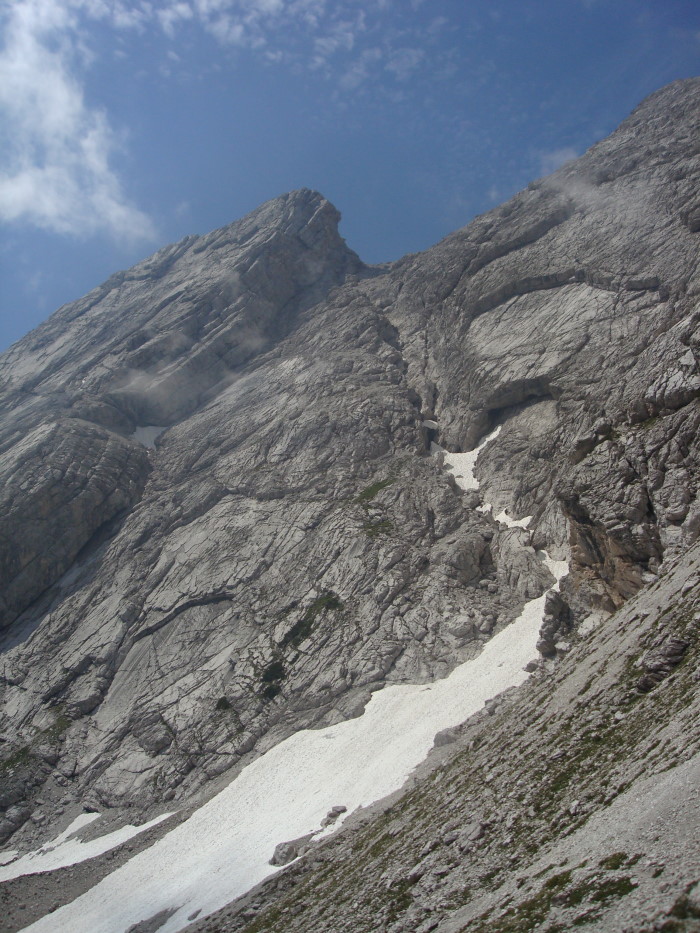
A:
328, 600
379, 846
23, 755
59, 726
265, 921
613, 862
616, 887
400, 899
380, 527
18, 757
530, 914
274, 671
619, 860
370, 492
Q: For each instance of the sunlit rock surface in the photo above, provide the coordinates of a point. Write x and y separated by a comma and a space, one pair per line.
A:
228, 508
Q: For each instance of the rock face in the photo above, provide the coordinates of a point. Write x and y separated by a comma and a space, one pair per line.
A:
221, 518
573, 806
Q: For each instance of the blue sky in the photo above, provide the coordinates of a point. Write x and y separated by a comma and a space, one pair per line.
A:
128, 124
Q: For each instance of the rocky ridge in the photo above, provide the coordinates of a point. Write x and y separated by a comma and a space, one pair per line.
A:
223, 522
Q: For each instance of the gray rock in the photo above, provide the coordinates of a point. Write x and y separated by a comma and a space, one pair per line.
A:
557, 620
660, 661
286, 852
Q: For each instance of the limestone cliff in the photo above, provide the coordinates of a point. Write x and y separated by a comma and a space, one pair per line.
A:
222, 520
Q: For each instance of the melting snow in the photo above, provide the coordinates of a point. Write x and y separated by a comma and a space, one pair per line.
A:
224, 848
462, 465
462, 468
63, 851
505, 519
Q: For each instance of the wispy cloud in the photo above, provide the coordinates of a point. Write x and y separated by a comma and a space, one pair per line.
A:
360, 69
55, 169
403, 62
553, 159
59, 171
173, 15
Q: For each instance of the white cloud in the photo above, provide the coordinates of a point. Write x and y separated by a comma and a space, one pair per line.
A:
173, 15
55, 171
59, 170
361, 69
555, 158
403, 62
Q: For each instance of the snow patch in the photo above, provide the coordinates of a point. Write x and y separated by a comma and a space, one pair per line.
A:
505, 519
84, 819
461, 466
63, 851
558, 568
224, 848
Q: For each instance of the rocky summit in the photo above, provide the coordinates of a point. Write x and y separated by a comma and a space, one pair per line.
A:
252, 484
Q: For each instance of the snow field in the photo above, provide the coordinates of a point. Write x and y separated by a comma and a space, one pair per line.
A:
224, 848
63, 851
505, 519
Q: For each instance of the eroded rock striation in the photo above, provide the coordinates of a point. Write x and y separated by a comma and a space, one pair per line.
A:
222, 520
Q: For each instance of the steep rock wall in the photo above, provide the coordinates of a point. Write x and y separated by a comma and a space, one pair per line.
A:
289, 545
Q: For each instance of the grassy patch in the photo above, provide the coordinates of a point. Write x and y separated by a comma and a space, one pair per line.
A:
376, 528
370, 492
532, 913
327, 601
615, 887
613, 862
267, 921
400, 899
22, 755
379, 846
19, 757
60, 724
619, 860
274, 671
529, 914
